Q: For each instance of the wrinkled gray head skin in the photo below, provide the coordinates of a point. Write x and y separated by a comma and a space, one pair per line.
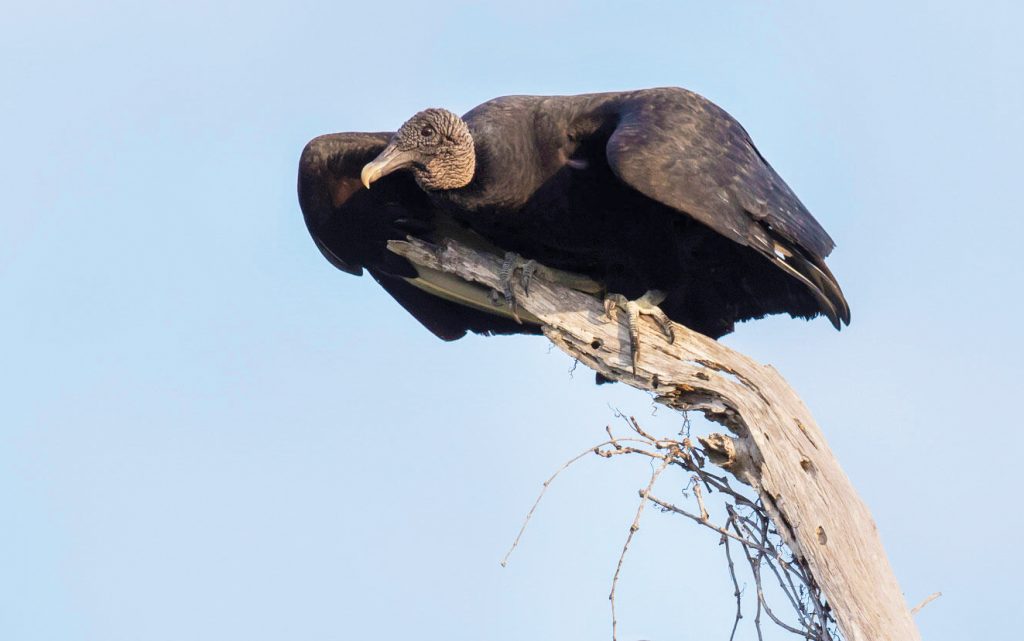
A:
435, 145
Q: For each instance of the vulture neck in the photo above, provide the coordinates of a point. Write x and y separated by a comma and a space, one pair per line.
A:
505, 177
521, 142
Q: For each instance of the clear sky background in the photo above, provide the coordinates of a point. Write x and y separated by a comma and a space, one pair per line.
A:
207, 432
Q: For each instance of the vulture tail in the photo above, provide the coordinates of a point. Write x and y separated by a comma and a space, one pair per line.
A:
818, 279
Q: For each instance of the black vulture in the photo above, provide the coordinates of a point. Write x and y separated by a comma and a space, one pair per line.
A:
351, 227
656, 189
658, 194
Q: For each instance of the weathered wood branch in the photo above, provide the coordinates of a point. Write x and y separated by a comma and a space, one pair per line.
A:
774, 445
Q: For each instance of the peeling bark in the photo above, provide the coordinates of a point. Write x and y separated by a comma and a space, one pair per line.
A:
773, 445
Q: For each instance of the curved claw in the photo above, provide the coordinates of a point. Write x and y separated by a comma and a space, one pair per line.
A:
645, 305
529, 268
507, 272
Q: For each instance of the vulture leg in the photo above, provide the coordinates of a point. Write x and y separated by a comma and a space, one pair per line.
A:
645, 305
530, 269
527, 268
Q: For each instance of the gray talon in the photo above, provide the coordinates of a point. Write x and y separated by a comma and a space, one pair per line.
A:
529, 269
645, 305
649, 305
507, 272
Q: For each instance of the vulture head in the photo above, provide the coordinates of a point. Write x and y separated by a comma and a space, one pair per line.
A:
435, 144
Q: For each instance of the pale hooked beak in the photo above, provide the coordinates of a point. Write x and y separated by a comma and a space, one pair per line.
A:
389, 160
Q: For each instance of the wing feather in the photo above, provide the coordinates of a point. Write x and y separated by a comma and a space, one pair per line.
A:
351, 226
684, 151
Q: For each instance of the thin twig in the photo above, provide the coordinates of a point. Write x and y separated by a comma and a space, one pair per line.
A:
762, 603
668, 507
736, 586
751, 529
625, 547
927, 600
704, 516
547, 483
757, 583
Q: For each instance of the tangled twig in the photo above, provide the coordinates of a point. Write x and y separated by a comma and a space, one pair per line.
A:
746, 523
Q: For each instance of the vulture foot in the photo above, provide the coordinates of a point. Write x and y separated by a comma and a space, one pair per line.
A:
645, 305
526, 268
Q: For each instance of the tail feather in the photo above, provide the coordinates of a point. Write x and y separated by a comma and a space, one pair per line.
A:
819, 281
828, 283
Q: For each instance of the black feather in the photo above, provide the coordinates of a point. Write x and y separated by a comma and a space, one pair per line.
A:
640, 190
651, 189
351, 226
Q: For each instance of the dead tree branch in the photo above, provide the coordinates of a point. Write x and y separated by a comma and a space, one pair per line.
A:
773, 444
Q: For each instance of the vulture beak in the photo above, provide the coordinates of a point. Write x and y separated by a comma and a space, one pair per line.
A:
389, 160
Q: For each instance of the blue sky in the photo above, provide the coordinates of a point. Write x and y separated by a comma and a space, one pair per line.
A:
207, 432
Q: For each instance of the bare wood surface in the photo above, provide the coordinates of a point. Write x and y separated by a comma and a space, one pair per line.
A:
774, 444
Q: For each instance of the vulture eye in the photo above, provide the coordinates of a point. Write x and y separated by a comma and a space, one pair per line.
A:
427, 131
